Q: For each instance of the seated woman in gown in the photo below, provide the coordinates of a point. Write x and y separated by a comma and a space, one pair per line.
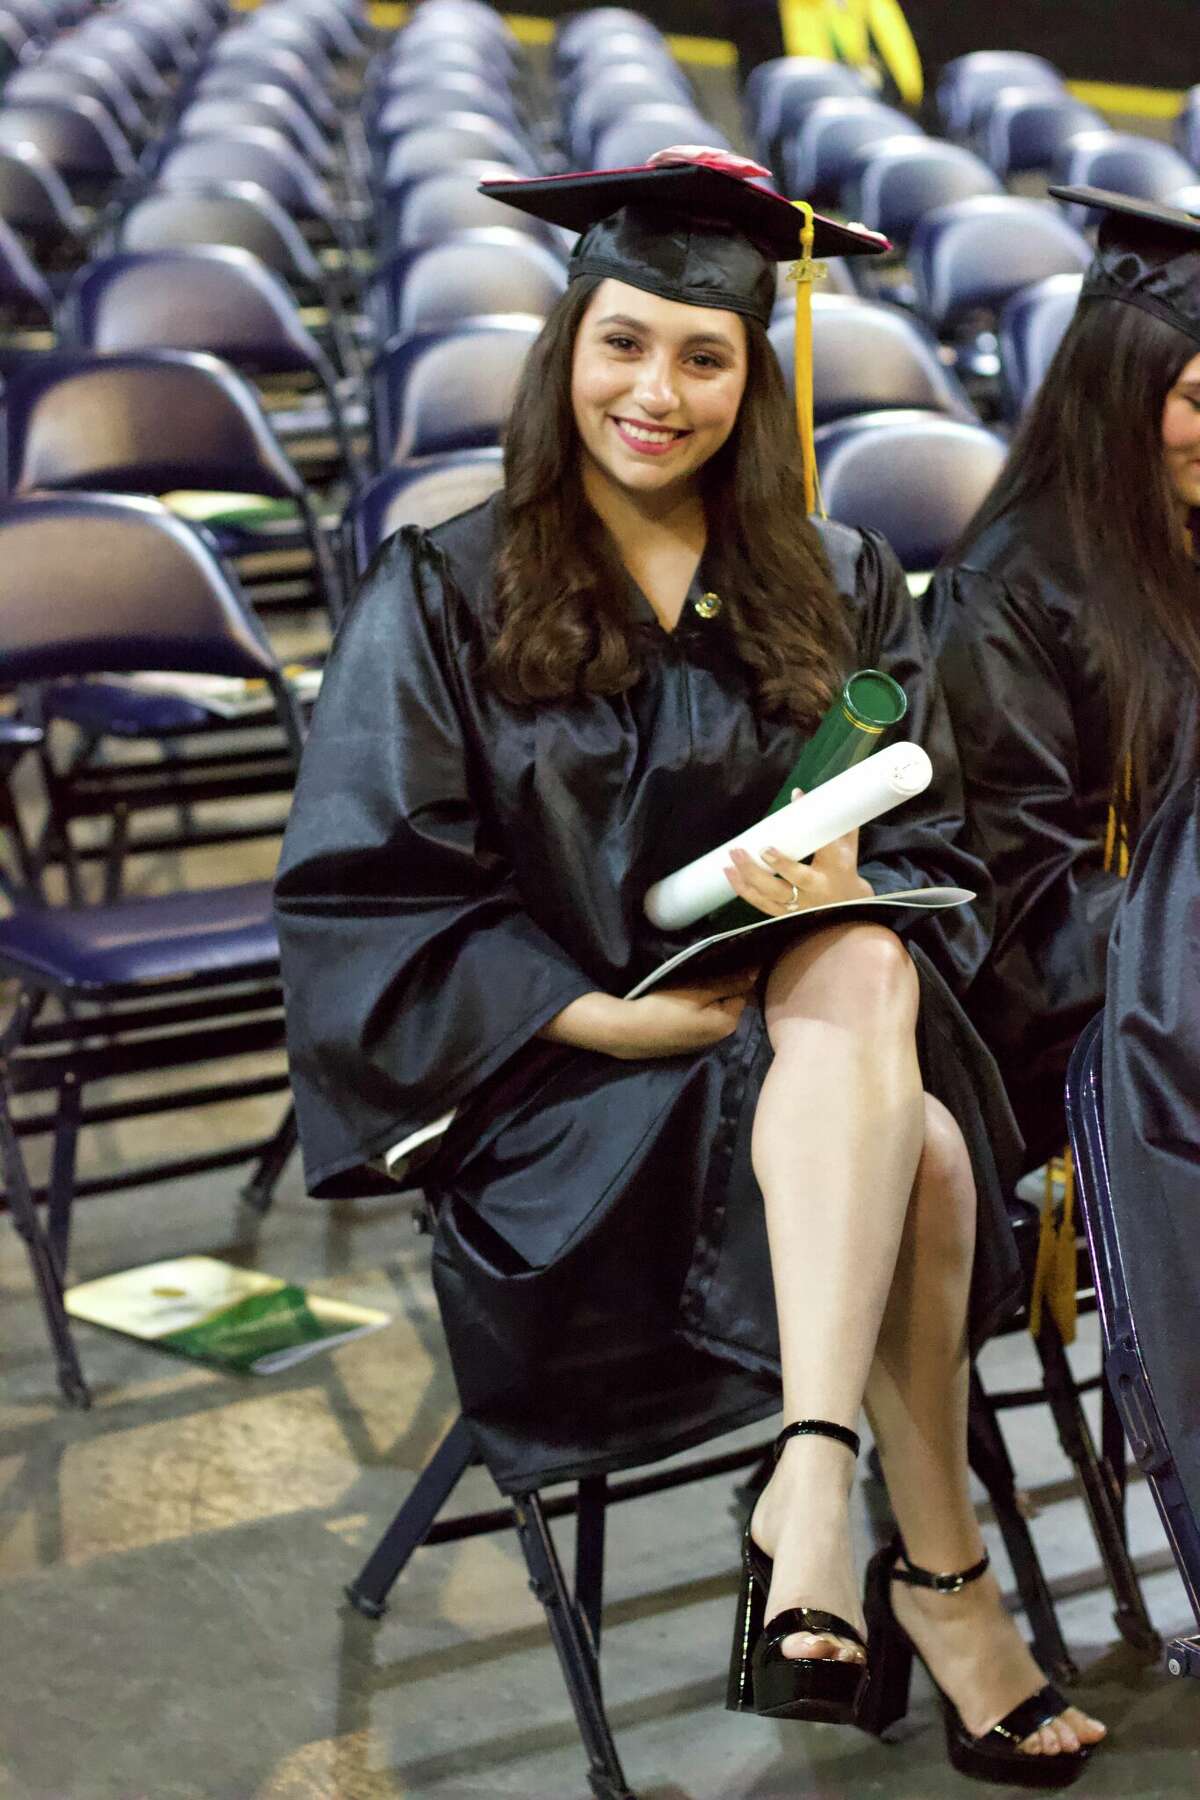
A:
1067, 628
650, 1212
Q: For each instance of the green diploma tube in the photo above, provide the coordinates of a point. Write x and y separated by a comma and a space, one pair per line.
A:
869, 704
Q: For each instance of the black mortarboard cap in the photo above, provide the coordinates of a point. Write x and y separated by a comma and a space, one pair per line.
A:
1147, 255
700, 231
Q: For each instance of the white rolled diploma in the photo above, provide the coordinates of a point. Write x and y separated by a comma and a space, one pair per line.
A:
853, 798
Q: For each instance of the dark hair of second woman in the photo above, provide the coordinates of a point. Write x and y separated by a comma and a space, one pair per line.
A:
1093, 438
564, 623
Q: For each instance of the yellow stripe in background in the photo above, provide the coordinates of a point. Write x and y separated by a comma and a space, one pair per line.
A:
1138, 102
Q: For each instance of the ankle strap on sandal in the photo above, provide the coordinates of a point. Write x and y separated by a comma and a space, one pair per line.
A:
941, 1584
841, 1434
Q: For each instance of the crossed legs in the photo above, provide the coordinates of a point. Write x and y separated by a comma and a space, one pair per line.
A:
870, 1210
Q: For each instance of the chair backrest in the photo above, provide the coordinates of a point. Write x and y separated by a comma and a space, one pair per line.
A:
894, 182
457, 137
818, 156
780, 92
257, 154
1123, 162
1032, 326
449, 389
148, 424
238, 214
76, 135
867, 357
59, 76
967, 81
972, 255
83, 578
915, 477
260, 105
203, 297
35, 200
439, 284
235, 75
106, 36
249, 63
647, 129
439, 206
1031, 128
615, 95
405, 109
425, 494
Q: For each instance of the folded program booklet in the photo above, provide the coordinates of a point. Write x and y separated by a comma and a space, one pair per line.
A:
711, 957
238, 1319
724, 952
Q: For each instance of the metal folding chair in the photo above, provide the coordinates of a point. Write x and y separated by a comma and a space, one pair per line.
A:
160, 985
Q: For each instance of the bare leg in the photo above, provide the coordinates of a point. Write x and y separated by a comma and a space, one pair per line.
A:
837, 1138
917, 1401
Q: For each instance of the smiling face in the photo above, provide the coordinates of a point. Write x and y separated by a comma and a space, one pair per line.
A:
1181, 436
655, 389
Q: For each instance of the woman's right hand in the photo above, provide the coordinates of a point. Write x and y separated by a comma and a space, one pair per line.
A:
670, 1022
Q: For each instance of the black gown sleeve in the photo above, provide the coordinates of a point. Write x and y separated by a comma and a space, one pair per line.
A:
411, 970
1001, 649
921, 843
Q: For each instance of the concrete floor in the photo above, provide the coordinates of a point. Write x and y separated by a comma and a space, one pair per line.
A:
171, 1565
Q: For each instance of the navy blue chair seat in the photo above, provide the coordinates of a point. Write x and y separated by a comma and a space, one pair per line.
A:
896, 181
913, 476
1123, 162
819, 154
780, 93
449, 389
424, 493
967, 83
187, 936
36, 202
437, 284
1031, 328
1029, 128
640, 134
454, 138
867, 357
432, 207
971, 256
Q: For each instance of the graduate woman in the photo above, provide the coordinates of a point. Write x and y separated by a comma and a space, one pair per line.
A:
1068, 630
649, 1210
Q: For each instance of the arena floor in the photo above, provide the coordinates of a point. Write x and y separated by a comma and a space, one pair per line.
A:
171, 1566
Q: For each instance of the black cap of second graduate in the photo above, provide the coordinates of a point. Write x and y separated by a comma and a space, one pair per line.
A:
1147, 255
694, 226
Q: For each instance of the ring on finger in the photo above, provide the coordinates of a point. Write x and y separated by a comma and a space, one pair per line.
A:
793, 904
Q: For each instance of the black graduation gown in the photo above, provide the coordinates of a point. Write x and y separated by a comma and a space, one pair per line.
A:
455, 871
1025, 691
1151, 1083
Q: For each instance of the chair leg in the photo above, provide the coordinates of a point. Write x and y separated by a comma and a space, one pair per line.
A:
605, 1775
989, 1458
590, 1521
1101, 1491
47, 1272
369, 1590
259, 1191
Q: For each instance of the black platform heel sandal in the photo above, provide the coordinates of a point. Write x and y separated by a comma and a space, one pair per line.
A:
996, 1756
761, 1678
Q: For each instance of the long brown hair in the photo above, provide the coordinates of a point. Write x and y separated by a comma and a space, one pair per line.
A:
564, 626
1093, 440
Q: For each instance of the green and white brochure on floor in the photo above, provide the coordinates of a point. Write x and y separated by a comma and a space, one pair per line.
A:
238, 1319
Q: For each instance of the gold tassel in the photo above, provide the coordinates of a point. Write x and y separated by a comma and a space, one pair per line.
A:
803, 273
